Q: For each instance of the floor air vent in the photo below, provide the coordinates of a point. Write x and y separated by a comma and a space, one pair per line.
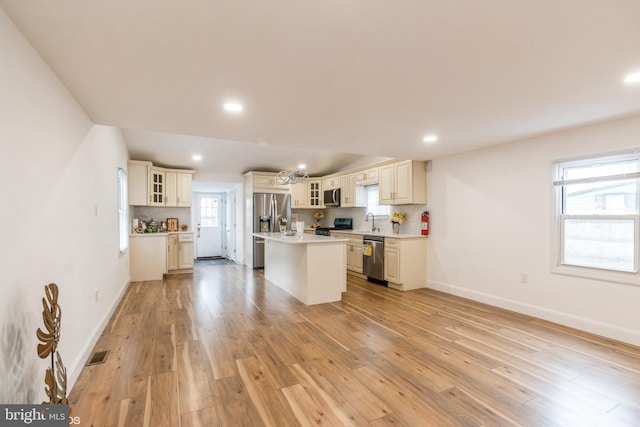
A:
98, 358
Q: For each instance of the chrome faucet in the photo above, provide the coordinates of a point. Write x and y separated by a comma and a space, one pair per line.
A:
373, 221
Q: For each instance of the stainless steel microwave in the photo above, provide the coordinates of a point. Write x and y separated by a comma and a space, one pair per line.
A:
332, 198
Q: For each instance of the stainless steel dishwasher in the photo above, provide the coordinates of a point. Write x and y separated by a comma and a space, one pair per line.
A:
373, 257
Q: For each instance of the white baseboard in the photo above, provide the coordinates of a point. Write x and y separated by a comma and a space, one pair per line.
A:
73, 372
588, 325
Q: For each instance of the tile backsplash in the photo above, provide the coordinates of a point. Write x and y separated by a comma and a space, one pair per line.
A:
146, 213
411, 224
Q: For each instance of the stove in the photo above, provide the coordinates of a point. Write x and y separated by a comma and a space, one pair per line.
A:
338, 224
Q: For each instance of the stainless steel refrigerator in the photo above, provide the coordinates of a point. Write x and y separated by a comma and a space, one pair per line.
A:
268, 208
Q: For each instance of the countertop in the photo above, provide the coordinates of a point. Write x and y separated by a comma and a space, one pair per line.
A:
381, 234
166, 233
304, 239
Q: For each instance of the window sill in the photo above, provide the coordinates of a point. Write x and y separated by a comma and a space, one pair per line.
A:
598, 274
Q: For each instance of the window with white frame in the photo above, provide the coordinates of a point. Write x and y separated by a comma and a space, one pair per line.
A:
373, 202
123, 206
597, 215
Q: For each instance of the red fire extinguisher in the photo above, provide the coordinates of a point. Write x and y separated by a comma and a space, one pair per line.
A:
425, 223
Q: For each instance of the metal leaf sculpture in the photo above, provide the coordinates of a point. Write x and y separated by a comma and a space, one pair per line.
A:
55, 379
51, 387
52, 315
61, 374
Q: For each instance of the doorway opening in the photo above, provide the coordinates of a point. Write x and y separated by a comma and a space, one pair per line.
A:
209, 220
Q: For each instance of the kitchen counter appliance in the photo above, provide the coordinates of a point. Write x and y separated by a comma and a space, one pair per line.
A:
268, 208
338, 224
373, 258
332, 198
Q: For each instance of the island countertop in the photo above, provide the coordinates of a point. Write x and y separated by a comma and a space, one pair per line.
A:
304, 239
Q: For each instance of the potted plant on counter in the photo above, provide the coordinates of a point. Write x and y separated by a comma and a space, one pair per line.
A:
396, 219
283, 224
318, 216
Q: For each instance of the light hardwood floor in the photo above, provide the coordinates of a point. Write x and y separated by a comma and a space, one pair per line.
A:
222, 347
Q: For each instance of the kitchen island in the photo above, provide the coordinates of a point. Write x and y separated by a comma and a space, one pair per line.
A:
311, 268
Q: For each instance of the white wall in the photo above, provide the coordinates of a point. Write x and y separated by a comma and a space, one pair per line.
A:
491, 220
59, 218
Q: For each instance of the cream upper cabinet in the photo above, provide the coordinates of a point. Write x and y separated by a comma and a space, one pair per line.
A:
386, 184
405, 263
403, 183
307, 194
265, 182
347, 191
299, 195
351, 195
367, 177
138, 179
184, 190
331, 183
314, 191
170, 189
156, 186
178, 189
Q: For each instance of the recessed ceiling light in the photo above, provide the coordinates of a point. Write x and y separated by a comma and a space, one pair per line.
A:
233, 107
196, 157
302, 166
430, 138
632, 78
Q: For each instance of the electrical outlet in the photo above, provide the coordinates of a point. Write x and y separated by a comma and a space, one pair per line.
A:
524, 277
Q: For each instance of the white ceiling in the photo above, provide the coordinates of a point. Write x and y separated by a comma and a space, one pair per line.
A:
320, 79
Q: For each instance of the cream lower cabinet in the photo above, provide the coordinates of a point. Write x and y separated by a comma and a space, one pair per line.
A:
147, 256
185, 251
179, 252
405, 263
354, 251
172, 252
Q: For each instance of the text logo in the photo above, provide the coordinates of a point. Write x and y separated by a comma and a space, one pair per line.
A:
34, 415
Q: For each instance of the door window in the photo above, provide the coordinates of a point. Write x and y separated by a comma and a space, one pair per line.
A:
209, 212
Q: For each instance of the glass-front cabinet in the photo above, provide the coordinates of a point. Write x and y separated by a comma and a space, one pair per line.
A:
156, 187
315, 193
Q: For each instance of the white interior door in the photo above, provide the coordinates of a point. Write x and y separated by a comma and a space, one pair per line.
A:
209, 222
231, 225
